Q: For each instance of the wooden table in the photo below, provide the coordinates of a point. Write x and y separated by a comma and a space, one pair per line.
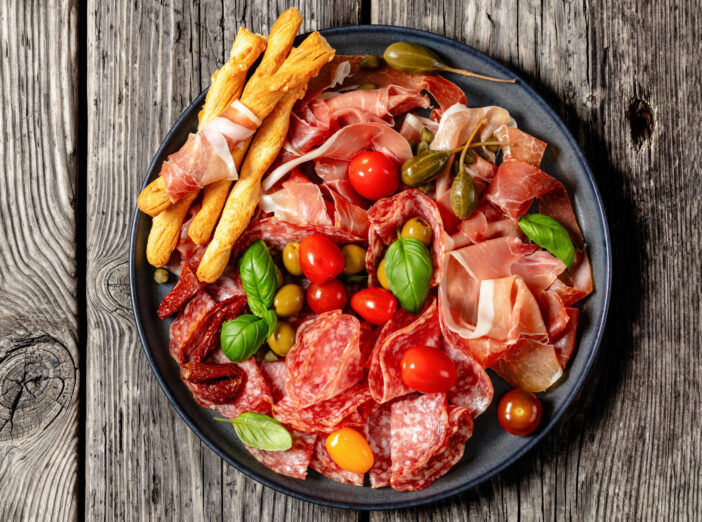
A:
88, 92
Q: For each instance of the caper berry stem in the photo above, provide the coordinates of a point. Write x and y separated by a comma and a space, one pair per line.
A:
476, 75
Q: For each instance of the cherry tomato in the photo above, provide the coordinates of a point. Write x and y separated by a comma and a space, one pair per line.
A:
373, 175
427, 370
320, 258
375, 305
519, 412
327, 296
350, 450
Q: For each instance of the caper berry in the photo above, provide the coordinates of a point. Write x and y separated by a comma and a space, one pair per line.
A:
426, 135
463, 197
412, 58
424, 167
288, 300
423, 146
282, 338
370, 62
354, 259
418, 229
161, 276
291, 258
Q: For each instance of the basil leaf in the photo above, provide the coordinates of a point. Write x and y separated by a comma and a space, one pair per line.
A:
549, 234
271, 319
261, 431
241, 337
409, 269
259, 277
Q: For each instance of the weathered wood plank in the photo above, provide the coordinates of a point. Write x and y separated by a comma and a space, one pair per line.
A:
623, 77
39, 356
145, 63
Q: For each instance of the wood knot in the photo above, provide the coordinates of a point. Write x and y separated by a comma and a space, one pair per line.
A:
37, 380
641, 121
116, 282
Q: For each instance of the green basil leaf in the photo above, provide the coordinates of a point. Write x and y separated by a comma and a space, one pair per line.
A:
549, 234
271, 319
259, 277
241, 337
408, 268
261, 431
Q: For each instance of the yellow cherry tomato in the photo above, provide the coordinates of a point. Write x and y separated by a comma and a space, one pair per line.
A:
350, 450
382, 277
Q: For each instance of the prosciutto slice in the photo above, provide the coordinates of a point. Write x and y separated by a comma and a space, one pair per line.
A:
519, 145
206, 156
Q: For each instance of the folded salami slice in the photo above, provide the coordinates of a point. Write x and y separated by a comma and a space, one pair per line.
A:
345, 409
460, 429
293, 462
378, 435
384, 379
388, 215
473, 388
325, 360
274, 373
419, 426
322, 463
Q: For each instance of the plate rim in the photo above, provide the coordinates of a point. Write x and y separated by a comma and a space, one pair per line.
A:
599, 323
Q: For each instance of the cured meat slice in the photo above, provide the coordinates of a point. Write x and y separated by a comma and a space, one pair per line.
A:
346, 143
278, 233
384, 379
348, 215
412, 126
519, 145
227, 286
419, 426
565, 343
530, 365
293, 462
325, 360
378, 434
553, 311
185, 289
254, 395
383, 102
388, 215
485, 223
187, 321
274, 372
460, 430
473, 388
322, 463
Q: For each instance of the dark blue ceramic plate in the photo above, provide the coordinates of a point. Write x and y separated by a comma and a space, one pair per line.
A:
490, 449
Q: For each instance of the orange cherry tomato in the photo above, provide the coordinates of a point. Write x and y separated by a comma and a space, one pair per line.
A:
519, 412
350, 450
320, 258
427, 370
375, 305
373, 175
327, 296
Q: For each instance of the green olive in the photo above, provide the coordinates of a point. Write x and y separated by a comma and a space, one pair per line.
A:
382, 276
426, 135
161, 276
270, 356
464, 197
366, 87
370, 62
282, 338
424, 167
419, 229
354, 259
288, 300
412, 58
422, 146
291, 258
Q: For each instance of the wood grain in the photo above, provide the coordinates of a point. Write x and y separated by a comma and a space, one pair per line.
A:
39, 356
146, 62
623, 77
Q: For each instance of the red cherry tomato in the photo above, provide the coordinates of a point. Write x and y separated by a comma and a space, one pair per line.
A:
519, 412
320, 258
375, 305
427, 370
373, 175
326, 296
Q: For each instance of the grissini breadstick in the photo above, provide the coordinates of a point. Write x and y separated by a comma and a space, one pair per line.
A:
227, 85
280, 41
165, 231
246, 193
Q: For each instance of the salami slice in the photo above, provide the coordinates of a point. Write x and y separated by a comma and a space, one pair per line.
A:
274, 373
322, 463
187, 322
326, 358
460, 430
293, 462
387, 217
384, 379
473, 388
327, 416
185, 289
378, 436
418, 428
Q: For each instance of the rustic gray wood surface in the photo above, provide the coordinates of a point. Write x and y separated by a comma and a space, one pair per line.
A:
89, 89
